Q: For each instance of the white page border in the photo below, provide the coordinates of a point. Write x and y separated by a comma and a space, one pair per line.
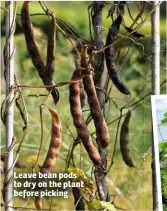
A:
156, 143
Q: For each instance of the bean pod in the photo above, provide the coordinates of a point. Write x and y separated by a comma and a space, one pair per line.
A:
124, 141
76, 111
53, 151
96, 112
109, 57
55, 143
51, 48
44, 72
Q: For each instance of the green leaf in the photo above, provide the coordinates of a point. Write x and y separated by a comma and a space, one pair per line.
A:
163, 145
164, 153
165, 114
98, 205
164, 121
79, 174
94, 205
107, 205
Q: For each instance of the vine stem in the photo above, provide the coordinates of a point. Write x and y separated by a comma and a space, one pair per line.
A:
115, 143
99, 81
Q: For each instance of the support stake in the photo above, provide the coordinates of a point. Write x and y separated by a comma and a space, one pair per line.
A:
156, 178
9, 73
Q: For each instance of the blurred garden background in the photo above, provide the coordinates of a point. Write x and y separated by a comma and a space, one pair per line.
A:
132, 186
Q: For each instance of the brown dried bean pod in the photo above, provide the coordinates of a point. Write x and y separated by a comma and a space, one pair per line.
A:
53, 151
55, 143
76, 111
84, 56
97, 115
44, 73
135, 34
109, 57
124, 141
50, 63
38, 202
99, 121
83, 96
30, 40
